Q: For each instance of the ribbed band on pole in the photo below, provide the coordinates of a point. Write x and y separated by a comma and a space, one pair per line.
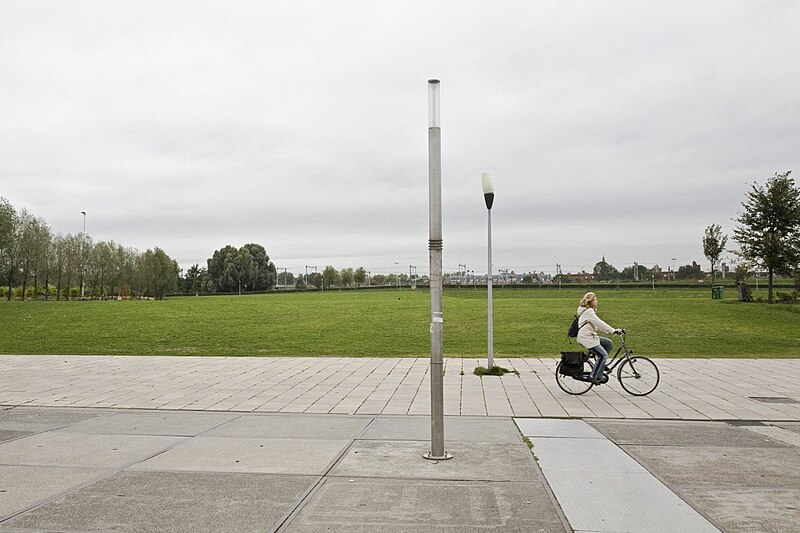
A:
434, 244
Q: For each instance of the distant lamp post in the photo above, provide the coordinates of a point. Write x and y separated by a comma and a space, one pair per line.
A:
488, 196
83, 250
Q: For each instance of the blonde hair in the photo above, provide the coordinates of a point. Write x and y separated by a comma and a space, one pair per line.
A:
587, 299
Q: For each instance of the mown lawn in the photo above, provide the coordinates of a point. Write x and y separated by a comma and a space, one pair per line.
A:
391, 323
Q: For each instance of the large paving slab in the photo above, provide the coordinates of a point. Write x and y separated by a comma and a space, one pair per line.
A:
790, 426
171, 501
777, 433
462, 428
607, 501
776, 467
531, 427
11, 435
343, 505
471, 460
152, 423
741, 488
302, 426
682, 433
750, 509
34, 419
23, 486
62, 448
264, 455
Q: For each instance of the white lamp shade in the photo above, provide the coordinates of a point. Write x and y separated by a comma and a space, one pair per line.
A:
488, 183
433, 104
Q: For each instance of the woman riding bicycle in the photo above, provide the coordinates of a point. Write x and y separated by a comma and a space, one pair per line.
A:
589, 324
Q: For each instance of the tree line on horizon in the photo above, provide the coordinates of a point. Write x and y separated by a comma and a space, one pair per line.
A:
39, 263
36, 262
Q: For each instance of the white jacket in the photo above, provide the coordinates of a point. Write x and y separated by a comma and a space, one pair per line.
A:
587, 335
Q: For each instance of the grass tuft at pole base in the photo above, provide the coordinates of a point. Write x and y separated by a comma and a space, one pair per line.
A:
494, 371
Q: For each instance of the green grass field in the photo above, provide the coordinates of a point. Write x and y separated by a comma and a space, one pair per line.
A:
391, 323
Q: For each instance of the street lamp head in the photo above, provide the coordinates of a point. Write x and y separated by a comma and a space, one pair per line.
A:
488, 189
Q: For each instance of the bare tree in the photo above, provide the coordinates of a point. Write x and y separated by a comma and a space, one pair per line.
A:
713, 245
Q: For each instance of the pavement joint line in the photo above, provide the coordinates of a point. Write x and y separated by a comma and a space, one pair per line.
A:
309, 493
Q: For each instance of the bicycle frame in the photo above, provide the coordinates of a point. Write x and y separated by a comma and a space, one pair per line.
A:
612, 362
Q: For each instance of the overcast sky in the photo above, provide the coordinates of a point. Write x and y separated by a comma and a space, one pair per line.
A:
611, 128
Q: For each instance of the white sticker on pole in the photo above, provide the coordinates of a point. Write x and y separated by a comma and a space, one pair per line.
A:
437, 317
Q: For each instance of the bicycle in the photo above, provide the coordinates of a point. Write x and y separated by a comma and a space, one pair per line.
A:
638, 375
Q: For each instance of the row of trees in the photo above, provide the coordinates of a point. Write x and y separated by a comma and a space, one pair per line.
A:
767, 230
249, 268
604, 271
36, 262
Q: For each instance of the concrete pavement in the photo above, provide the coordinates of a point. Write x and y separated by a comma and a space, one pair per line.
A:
193, 462
690, 389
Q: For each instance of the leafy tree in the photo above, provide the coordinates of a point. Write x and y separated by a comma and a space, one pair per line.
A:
300, 283
248, 267
158, 274
692, 271
605, 271
347, 276
768, 231
628, 273
222, 269
34, 235
331, 277
191, 281
360, 276
713, 245
315, 280
265, 274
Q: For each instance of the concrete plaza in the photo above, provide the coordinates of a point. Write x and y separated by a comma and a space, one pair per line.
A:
336, 444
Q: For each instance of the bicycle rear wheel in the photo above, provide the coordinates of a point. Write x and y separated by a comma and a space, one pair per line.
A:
571, 385
638, 376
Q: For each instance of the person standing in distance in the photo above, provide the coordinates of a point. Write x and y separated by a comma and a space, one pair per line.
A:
589, 325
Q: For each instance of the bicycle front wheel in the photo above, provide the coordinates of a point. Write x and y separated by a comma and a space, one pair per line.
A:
571, 385
638, 376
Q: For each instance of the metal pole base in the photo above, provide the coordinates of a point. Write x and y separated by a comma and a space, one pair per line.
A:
430, 457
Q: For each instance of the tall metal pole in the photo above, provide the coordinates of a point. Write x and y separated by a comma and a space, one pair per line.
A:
490, 348
83, 250
488, 197
437, 452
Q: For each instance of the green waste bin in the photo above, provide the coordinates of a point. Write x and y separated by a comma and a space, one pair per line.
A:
717, 292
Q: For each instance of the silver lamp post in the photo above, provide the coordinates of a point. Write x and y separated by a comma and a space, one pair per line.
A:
488, 196
83, 249
437, 452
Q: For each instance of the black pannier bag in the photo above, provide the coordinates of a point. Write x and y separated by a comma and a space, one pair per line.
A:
572, 363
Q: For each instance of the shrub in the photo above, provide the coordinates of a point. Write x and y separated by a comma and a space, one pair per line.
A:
785, 297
